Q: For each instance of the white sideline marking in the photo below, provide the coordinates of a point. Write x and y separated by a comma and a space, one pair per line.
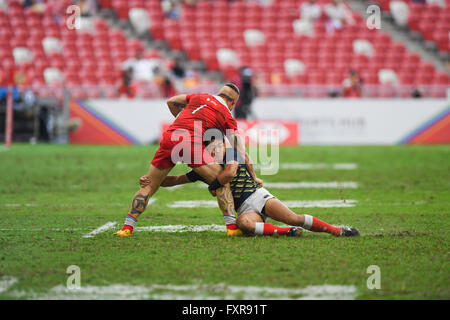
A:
110, 204
6, 282
42, 229
20, 205
106, 226
192, 292
314, 166
183, 228
291, 204
321, 203
314, 185
303, 185
193, 204
173, 188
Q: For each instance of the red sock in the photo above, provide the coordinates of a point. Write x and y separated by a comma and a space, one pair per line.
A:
130, 223
232, 226
269, 229
317, 225
125, 227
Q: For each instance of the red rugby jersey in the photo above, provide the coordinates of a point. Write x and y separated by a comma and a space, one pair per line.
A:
211, 111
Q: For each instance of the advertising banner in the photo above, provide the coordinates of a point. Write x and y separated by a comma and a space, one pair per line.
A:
297, 121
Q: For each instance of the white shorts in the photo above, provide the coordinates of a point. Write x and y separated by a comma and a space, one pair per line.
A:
256, 203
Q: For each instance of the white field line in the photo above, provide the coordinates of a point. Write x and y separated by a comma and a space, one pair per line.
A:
6, 282
173, 188
321, 203
193, 204
312, 185
183, 228
43, 229
110, 204
192, 292
289, 203
304, 185
15, 205
106, 226
313, 166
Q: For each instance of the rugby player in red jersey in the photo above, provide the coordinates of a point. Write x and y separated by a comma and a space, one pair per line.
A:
183, 141
253, 203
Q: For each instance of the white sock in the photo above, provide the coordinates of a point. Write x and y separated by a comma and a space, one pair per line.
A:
259, 228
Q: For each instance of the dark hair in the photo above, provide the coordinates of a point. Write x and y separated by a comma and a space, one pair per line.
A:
226, 97
233, 86
213, 138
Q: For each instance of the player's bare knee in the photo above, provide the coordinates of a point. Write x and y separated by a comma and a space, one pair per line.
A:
246, 224
149, 189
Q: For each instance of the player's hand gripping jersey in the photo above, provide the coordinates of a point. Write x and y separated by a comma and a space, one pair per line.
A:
202, 112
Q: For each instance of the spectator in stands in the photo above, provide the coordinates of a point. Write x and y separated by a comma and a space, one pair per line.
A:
20, 77
191, 79
35, 5
57, 8
88, 8
338, 14
248, 93
142, 69
171, 8
167, 88
125, 87
416, 93
310, 11
177, 69
352, 85
447, 64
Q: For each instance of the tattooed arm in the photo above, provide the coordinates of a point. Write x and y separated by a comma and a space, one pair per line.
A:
226, 203
176, 104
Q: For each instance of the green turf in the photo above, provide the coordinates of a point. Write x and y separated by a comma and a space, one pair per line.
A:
51, 195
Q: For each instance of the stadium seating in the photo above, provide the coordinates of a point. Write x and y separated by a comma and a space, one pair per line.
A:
224, 35
48, 53
271, 40
431, 19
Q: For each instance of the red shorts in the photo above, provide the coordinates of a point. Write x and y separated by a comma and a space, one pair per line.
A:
182, 149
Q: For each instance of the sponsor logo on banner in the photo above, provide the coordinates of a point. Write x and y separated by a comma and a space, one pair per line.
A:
264, 132
269, 132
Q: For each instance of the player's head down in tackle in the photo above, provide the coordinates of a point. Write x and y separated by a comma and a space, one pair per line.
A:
230, 93
216, 148
221, 150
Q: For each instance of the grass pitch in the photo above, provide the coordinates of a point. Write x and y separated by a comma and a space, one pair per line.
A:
50, 196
